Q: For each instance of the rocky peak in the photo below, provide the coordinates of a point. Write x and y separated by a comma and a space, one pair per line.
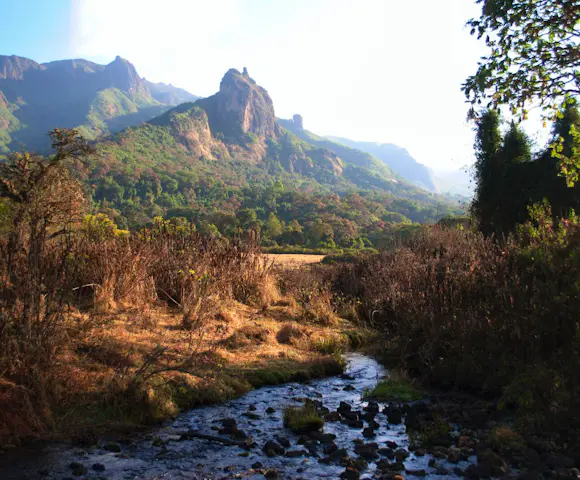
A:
298, 121
13, 67
240, 107
123, 75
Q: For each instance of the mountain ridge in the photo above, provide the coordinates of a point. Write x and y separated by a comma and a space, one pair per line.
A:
75, 93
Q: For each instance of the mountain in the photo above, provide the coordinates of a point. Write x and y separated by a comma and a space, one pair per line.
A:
97, 99
226, 161
397, 159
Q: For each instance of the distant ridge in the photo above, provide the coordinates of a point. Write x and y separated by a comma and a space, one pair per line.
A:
97, 99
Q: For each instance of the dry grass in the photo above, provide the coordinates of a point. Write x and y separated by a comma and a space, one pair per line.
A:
132, 367
293, 260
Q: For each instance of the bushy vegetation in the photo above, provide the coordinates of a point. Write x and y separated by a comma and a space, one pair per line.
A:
460, 309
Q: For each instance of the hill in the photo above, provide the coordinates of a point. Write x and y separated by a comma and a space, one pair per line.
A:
97, 99
225, 162
397, 159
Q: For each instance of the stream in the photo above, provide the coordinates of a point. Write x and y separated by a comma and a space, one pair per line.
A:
255, 419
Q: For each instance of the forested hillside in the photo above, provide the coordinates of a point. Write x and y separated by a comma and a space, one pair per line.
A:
226, 163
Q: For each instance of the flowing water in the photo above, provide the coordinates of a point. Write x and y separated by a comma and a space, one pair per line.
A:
164, 454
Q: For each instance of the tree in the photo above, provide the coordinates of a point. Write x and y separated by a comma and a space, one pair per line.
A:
566, 133
535, 53
488, 170
517, 146
273, 226
535, 58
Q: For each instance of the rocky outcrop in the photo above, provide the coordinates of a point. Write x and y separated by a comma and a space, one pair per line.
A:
13, 67
241, 107
298, 121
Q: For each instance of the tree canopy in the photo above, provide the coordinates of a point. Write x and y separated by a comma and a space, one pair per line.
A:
535, 54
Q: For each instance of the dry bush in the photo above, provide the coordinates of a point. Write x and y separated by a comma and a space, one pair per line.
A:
247, 335
464, 310
310, 288
291, 334
115, 273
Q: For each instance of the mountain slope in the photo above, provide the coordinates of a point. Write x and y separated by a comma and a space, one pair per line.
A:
97, 99
397, 159
214, 160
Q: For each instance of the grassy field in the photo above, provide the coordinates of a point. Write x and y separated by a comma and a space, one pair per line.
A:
293, 260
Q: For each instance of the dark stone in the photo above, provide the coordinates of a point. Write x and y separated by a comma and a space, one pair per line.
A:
386, 452
368, 432
394, 414
257, 465
283, 441
112, 447
229, 422
368, 451
270, 410
349, 388
322, 437
78, 469
353, 423
252, 416
372, 407
338, 454
98, 467
401, 454
350, 474
332, 417
393, 445
272, 474
330, 448
252, 408
346, 376
273, 448
343, 407
350, 415
296, 453
416, 473
369, 416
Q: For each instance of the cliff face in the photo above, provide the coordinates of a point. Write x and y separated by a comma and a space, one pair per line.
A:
240, 107
238, 122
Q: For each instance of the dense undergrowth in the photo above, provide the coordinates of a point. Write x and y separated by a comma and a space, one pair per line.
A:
499, 318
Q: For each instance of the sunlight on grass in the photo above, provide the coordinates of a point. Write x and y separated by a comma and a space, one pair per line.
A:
395, 388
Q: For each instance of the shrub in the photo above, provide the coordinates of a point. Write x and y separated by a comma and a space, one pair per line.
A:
397, 388
465, 310
303, 419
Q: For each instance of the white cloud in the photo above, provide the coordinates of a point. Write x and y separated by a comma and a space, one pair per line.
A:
380, 70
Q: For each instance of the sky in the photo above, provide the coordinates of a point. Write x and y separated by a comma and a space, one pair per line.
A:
370, 70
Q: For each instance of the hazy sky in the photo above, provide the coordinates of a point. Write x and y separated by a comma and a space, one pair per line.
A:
374, 70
